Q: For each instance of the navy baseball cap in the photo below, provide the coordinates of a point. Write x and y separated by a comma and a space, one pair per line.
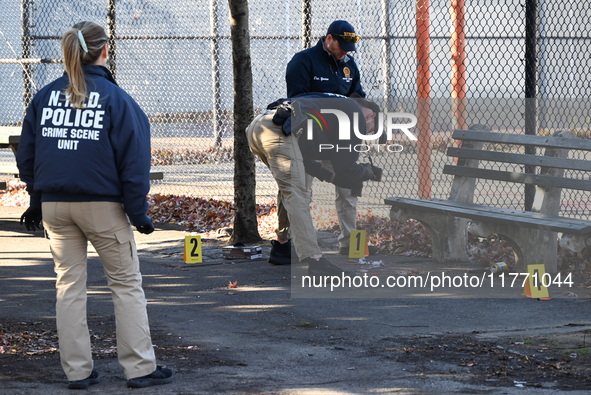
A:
344, 32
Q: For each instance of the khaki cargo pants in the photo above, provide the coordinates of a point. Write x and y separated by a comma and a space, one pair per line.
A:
282, 156
70, 226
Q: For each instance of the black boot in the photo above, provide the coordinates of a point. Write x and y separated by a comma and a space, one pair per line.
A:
280, 253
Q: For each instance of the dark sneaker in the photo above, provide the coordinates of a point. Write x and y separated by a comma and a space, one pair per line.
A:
159, 376
323, 267
83, 384
373, 250
280, 253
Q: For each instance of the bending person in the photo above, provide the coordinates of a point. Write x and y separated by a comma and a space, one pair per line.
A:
279, 138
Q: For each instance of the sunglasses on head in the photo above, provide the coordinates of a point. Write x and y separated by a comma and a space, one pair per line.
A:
347, 38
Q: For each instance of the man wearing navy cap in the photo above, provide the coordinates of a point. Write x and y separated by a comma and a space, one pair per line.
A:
327, 67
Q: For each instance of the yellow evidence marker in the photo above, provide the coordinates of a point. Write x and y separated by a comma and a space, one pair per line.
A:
192, 252
534, 285
358, 244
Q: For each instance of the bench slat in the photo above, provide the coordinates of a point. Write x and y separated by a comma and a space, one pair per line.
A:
520, 178
9, 170
9, 139
156, 175
11, 130
522, 139
495, 214
522, 159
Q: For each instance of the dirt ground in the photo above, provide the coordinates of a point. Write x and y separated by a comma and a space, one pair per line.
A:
560, 362
258, 338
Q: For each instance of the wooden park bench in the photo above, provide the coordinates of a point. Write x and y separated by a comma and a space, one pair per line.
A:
485, 155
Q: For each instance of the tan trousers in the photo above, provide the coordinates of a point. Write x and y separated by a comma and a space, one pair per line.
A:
346, 205
347, 213
282, 156
70, 226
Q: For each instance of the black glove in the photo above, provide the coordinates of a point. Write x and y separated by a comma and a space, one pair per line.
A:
356, 189
32, 218
371, 172
377, 173
282, 113
146, 229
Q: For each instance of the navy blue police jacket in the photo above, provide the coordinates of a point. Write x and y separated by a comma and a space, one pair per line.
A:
97, 153
316, 70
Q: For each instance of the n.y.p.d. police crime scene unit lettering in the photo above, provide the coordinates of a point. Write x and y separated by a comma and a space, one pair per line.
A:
69, 125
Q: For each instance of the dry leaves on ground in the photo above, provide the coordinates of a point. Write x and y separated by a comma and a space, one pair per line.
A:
411, 238
165, 156
34, 339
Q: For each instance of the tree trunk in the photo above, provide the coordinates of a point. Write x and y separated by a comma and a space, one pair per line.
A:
245, 219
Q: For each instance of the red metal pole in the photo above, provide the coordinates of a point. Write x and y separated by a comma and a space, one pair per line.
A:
423, 23
458, 63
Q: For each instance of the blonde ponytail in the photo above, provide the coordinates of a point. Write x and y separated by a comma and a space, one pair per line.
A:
81, 45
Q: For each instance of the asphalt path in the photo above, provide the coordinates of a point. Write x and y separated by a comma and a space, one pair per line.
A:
262, 336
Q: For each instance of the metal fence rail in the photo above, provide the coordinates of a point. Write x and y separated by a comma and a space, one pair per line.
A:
509, 65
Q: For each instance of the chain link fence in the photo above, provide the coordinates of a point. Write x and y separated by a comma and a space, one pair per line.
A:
516, 66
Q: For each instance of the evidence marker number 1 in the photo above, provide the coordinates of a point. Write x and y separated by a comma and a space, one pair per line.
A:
358, 244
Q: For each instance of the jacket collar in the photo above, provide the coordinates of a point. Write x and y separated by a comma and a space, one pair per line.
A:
101, 71
321, 44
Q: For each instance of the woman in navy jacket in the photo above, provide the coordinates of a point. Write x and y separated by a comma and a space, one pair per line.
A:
85, 157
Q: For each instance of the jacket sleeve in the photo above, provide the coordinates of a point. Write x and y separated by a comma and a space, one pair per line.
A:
297, 76
25, 155
315, 169
130, 137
